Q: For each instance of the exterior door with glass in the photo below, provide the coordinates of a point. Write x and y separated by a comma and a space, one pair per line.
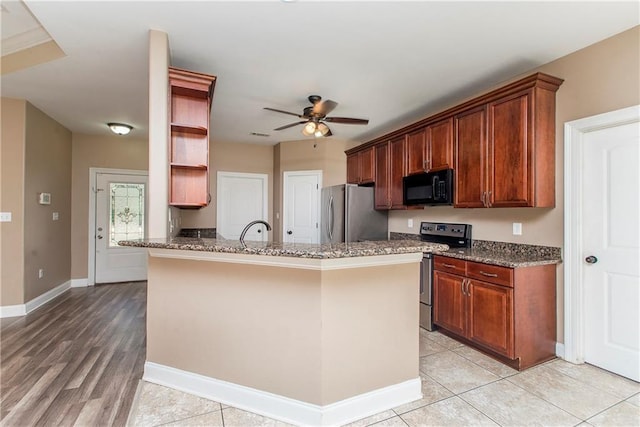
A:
120, 215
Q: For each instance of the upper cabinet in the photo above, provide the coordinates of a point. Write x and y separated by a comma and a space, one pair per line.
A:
501, 146
361, 167
430, 148
190, 97
505, 150
390, 160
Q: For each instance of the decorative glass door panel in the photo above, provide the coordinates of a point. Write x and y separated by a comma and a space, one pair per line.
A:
126, 212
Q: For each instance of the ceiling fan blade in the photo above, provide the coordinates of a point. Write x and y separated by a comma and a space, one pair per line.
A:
346, 120
323, 108
290, 125
329, 133
283, 112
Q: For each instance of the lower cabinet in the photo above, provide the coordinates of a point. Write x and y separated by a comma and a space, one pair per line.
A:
507, 312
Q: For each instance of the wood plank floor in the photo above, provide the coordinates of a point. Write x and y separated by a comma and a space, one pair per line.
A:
75, 361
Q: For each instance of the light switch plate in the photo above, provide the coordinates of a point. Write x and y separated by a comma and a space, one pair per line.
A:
410, 223
5, 216
44, 198
517, 228
56, 216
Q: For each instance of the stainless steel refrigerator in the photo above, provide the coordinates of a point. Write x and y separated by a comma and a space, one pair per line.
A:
348, 215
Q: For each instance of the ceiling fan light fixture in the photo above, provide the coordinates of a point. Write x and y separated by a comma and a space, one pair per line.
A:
120, 128
309, 129
321, 130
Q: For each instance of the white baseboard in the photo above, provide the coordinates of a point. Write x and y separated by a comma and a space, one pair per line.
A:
280, 407
12, 310
37, 302
80, 283
560, 350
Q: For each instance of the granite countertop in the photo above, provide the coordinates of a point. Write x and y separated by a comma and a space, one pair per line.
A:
297, 250
502, 258
498, 253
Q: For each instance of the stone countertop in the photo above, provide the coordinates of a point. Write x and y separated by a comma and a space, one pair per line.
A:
505, 254
296, 250
502, 258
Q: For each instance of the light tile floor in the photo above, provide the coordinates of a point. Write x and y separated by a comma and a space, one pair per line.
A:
460, 387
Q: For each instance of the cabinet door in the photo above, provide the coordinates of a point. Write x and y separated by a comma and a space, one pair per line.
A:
470, 158
490, 316
510, 152
397, 151
416, 152
440, 145
449, 302
382, 195
367, 165
353, 168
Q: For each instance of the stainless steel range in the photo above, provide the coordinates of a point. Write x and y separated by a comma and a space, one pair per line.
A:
453, 235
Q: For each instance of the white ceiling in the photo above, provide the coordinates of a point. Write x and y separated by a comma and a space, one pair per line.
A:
389, 62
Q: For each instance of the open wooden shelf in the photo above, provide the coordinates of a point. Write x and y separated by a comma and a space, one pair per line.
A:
190, 107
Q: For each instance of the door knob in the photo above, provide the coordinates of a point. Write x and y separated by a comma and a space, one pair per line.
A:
591, 259
99, 236
289, 232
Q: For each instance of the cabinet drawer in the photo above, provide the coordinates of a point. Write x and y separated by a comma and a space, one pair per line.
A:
450, 265
490, 273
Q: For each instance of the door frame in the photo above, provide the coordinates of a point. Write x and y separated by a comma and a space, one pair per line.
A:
93, 179
285, 176
265, 193
574, 309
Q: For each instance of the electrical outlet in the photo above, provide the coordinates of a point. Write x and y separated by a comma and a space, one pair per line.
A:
56, 216
410, 223
517, 228
40, 273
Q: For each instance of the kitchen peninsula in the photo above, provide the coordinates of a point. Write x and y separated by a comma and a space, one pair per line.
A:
308, 334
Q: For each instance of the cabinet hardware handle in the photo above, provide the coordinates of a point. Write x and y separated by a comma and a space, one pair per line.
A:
468, 286
489, 199
488, 274
448, 265
462, 286
482, 199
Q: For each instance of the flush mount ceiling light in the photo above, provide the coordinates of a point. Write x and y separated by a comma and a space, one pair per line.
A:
120, 128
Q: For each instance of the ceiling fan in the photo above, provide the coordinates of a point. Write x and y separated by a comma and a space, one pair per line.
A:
315, 116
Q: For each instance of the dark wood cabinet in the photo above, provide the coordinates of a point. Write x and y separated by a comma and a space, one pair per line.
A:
505, 151
390, 168
397, 165
506, 312
430, 148
190, 96
440, 145
417, 151
470, 168
501, 146
361, 167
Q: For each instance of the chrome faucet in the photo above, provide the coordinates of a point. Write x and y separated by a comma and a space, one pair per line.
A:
248, 226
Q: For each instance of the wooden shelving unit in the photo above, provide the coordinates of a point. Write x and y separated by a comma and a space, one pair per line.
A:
190, 96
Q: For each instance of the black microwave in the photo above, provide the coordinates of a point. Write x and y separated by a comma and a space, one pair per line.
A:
432, 188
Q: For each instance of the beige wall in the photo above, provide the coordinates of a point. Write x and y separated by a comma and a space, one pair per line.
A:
12, 151
96, 151
600, 78
47, 169
326, 155
286, 331
230, 157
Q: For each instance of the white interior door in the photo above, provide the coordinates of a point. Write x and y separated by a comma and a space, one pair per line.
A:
301, 200
120, 214
611, 235
242, 198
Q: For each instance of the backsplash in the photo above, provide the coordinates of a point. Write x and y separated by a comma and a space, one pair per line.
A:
198, 233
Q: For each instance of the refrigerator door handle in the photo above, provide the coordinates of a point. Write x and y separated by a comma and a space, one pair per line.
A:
330, 222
